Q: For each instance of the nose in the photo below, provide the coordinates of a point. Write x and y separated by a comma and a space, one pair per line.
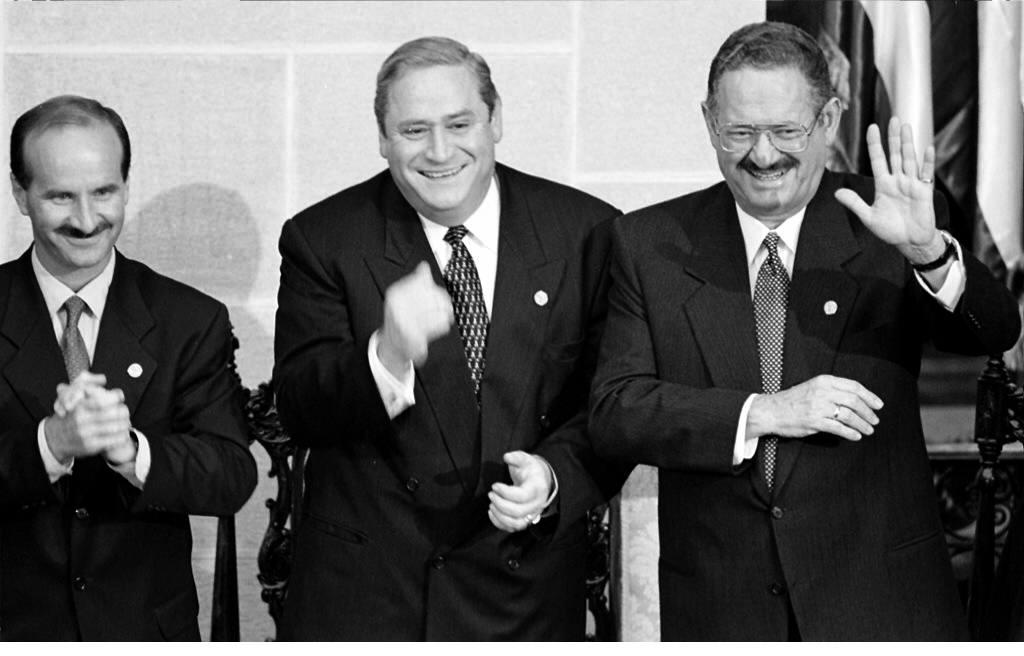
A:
83, 214
763, 152
438, 149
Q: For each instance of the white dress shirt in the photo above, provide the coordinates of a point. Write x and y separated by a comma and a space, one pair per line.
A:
55, 294
754, 233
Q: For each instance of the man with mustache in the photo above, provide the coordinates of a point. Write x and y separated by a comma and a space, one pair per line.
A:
119, 416
436, 332
762, 349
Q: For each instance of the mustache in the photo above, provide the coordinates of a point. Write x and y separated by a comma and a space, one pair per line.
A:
75, 233
784, 164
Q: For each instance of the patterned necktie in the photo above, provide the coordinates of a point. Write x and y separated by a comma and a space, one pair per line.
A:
770, 295
76, 357
463, 283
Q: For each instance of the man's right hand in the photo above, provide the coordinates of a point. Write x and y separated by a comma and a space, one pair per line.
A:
417, 311
97, 422
823, 404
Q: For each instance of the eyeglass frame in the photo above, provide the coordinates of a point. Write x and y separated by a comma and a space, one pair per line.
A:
761, 128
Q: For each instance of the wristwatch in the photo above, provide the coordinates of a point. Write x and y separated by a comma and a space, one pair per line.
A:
940, 260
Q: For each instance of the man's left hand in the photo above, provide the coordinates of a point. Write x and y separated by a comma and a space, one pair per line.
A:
517, 506
903, 213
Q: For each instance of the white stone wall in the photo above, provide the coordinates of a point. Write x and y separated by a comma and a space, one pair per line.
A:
242, 114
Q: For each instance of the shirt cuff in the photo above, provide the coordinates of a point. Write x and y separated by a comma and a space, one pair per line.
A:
554, 489
397, 394
54, 469
956, 279
136, 471
743, 449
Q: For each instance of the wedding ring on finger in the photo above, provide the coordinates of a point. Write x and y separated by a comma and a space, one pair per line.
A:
531, 518
927, 180
835, 413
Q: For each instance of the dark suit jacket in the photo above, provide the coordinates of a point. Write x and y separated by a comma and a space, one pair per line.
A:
850, 534
96, 558
396, 543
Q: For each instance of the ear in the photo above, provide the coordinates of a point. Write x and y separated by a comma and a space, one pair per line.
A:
126, 189
830, 115
709, 123
496, 120
20, 195
382, 144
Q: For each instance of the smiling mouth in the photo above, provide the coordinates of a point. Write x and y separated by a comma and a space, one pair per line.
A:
440, 175
78, 235
767, 175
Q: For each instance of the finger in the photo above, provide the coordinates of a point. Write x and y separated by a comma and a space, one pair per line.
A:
848, 417
928, 164
509, 495
422, 272
508, 524
519, 464
876, 154
855, 405
840, 429
907, 150
895, 156
853, 387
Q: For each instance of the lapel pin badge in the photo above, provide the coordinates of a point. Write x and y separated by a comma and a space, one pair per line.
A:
135, 370
541, 298
831, 307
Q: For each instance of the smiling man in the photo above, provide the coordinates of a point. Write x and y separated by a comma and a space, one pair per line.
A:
762, 349
118, 414
436, 334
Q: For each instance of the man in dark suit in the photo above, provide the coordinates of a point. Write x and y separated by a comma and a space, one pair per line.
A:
98, 475
762, 349
450, 470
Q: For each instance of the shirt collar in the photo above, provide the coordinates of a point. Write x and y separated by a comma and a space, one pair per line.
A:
754, 232
482, 225
56, 293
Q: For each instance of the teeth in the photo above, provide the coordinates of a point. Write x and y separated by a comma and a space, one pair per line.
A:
768, 176
434, 175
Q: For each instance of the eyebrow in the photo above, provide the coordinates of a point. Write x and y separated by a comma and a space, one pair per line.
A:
464, 113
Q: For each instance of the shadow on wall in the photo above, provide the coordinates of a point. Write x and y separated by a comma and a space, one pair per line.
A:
205, 236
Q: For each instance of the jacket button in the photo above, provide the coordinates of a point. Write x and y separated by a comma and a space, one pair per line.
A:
81, 513
776, 589
777, 512
513, 564
78, 583
544, 421
438, 562
412, 484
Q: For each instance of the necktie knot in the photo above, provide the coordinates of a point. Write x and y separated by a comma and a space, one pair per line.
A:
72, 346
74, 307
771, 244
455, 234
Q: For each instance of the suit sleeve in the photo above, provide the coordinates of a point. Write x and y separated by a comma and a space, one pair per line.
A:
636, 416
584, 479
322, 381
203, 466
24, 483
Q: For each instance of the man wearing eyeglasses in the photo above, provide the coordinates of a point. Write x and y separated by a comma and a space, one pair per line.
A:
762, 349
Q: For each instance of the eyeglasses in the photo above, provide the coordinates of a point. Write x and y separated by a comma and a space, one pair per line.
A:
785, 137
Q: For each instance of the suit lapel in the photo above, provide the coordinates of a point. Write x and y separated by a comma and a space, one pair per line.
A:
720, 310
38, 366
444, 384
524, 292
120, 354
820, 280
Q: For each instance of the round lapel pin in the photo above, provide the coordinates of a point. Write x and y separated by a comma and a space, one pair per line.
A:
135, 370
541, 298
831, 307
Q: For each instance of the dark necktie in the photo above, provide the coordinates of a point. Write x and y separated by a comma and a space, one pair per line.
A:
770, 295
463, 283
76, 357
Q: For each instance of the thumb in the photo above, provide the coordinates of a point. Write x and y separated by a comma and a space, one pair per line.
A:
852, 201
422, 271
517, 462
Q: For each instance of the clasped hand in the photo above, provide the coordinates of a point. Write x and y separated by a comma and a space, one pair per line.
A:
89, 419
517, 506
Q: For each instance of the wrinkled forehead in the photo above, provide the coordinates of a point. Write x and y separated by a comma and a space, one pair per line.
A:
763, 96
